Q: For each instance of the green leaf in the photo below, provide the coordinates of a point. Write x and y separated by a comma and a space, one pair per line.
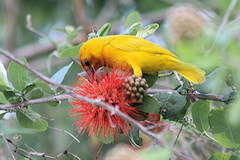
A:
30, 119
3, 77
44, 86
133, 32
208, 86
28, 88
200, 112
2, 115
150, 78
133, 29
147, 31
71, 52
223, 131
32, 92
53, 104
172, 105
4, 87
59, 75
12, 97
150, 105
229, 79
136, 26
230, 96
3, 99
104, 30
134, 138
223, 156
234, 112
18, 75
132, 18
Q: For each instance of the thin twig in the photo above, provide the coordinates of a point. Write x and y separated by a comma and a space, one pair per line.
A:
178, 135
72, 141
66, 154
70, 134
34, 72
2, 135
30, 28
22, 151
75, 156
165, 74
99, 151
206, 134
21, 154
213, 97
188, 149
178, 78
15, 106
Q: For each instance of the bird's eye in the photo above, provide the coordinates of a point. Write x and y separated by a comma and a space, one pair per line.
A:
87, 62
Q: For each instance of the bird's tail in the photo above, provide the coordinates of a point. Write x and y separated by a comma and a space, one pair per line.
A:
190, 72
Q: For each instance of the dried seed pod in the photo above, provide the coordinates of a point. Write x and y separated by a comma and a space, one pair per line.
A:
141, 90
185, 22
131, 82
136, 87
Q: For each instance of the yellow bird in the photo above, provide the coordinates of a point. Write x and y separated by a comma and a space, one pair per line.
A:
138, 54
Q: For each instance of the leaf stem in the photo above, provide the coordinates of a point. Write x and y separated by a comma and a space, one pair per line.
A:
165, 74
210, 137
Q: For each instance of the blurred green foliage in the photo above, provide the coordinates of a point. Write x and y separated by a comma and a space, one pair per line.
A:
214, 51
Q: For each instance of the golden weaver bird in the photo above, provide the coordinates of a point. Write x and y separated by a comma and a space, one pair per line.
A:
138, 54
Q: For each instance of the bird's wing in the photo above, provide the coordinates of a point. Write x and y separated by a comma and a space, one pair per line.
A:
136, 44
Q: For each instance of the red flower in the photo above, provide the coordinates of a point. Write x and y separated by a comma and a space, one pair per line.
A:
96, 120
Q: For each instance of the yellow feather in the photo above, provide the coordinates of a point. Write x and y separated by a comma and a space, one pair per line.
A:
139, 54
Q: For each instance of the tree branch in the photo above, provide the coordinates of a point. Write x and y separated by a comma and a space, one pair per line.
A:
16, 106
213, 97
178, 78
22, 151
30, 28
2, 135
99, 103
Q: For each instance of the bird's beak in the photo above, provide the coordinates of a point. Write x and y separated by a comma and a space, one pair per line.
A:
90, 71
88, 74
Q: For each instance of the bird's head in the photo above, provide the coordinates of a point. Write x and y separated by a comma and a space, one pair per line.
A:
89, 58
